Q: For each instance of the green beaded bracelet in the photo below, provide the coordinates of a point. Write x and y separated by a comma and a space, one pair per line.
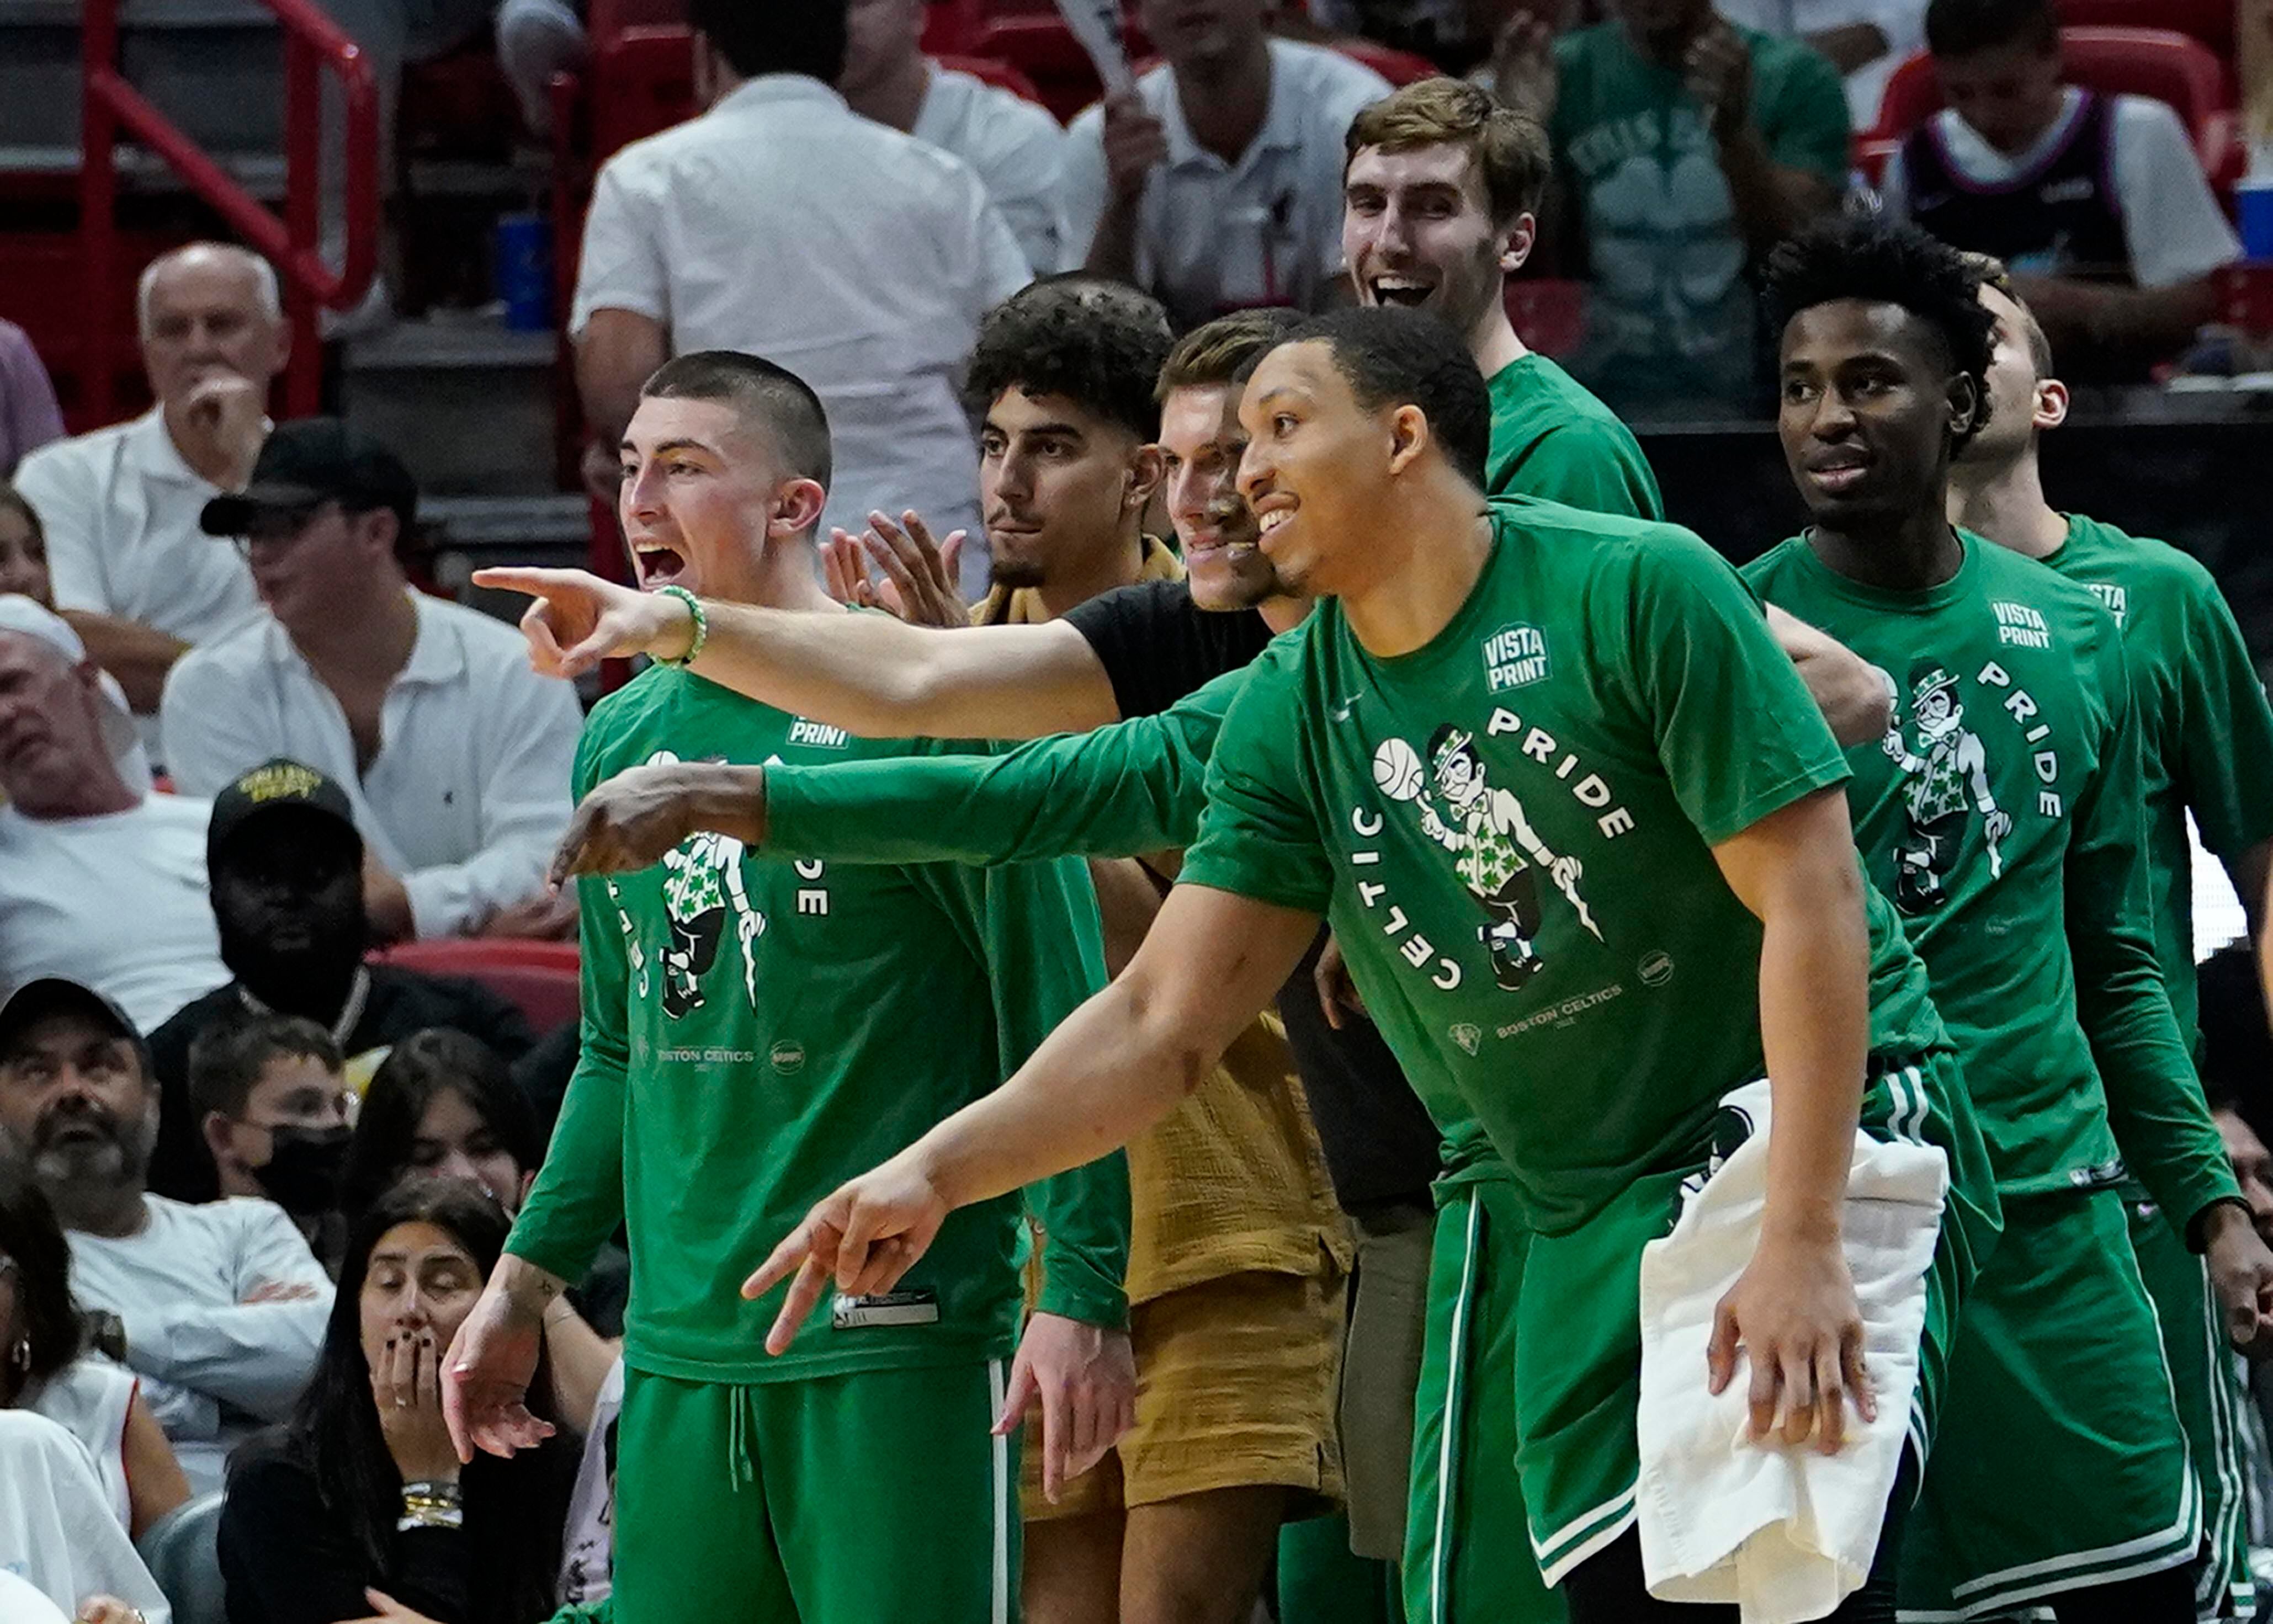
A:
702, 623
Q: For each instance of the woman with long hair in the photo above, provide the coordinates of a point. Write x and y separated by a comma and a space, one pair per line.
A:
362, 1489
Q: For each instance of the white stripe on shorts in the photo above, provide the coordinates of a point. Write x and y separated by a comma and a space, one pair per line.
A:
996, 1394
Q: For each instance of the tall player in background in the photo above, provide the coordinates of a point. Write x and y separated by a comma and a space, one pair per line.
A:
2206, 736
747, 1033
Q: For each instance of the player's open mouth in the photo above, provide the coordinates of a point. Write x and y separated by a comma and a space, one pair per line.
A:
1401, 290
658, 565
1267, 523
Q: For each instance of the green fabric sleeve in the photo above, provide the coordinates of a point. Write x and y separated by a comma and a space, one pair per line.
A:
1596, 466
1135, 787
2154, 1098
578, 1200
1038, 928
2225, 768
1258, 839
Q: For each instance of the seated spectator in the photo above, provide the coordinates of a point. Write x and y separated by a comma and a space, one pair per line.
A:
1686, 147
100, 881
46, 1365
132, 572
362, 1489
2096, 204
24, 551
1216, 183
29, 417
1865, 40
1017, 149
454, 755
685, 225
57, 1536
219, 1307
287, 872
24, 573
271, 1098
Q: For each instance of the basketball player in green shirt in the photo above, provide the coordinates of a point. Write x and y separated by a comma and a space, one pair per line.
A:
2206, 750
1609, 687
2002, 812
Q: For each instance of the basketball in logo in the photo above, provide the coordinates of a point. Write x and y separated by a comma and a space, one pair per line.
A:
1397, 770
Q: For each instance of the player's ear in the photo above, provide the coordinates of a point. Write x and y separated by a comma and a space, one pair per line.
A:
1148, 466
797, 507
1967, 404
1517, 241
2051, 404
1409, 435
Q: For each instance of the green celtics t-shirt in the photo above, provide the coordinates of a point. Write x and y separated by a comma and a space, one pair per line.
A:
2002, 814
1551, 439
756, 1030
2205, 732
1670, 312
1511, 831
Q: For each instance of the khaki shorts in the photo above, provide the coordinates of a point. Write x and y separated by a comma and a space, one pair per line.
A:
1235, 1385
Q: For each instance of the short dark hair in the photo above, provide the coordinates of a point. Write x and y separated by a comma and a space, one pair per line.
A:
1884, 262
50, 1324
1962, 27
438, 1060
1391, 357
14, 501
1510, 147
784, 402
226, 1059
1099, 343
1223, 350
774, 36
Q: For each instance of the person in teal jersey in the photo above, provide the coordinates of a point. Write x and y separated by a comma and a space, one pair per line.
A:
1696, 821
749, 1032
2206, 736
1686, 148
2002, 812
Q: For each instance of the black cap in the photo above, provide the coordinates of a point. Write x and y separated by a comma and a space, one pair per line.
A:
274, 786
48, 994
313, 460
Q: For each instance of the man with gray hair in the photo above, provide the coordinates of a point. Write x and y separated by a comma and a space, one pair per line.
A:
133, 573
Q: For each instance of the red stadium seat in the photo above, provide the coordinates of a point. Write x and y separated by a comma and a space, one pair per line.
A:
641, 81
2211, 21
993, 72
1549, 315
1397, 67
2139, 62
1039, 46
539, 978
951, 25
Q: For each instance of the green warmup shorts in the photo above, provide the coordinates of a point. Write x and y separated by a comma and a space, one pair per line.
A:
1578, 1318
2207, 1382
2059, 1462
880, 1498
1465, 1562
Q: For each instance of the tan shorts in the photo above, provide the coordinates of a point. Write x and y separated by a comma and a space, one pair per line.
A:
1235, 1382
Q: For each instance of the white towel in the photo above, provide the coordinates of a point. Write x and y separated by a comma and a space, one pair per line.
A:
1787, 1534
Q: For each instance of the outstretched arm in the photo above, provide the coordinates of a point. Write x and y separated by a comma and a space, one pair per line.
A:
1119, 1064
1845, 686
870, 674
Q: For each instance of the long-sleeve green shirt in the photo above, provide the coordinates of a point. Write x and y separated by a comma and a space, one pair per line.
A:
757, 1030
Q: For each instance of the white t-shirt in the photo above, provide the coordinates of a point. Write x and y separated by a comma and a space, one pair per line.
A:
2171, 222
470, 787
215, 1368
1902, 21
781, 223
1213, 236
89, 1398
57, 1531
119, 903
588, 1548
1016, 148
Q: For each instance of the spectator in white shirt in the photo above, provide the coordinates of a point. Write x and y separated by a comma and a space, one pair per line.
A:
120, 505
2098, 204
782, 224
1015, 147
100, 879
1215, 184
220, 1308
1865, 40
455, 757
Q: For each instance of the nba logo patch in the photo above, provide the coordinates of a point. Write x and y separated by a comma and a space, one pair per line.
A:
1515, 656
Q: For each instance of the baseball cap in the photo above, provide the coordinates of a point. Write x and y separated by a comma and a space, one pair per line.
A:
45, 995
20, 614
312, 461
271, 787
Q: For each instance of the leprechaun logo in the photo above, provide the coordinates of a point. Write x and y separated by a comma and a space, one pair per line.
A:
1947, 770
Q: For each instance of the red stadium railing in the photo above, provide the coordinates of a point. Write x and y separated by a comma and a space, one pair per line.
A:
313, 44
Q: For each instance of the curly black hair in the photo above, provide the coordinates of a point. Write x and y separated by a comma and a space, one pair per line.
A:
1099, 343
1886, 262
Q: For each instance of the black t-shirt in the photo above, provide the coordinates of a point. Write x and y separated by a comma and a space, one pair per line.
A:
1157, 647
401, 1002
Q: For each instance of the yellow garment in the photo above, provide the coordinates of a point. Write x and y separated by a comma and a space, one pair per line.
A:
1003, 606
